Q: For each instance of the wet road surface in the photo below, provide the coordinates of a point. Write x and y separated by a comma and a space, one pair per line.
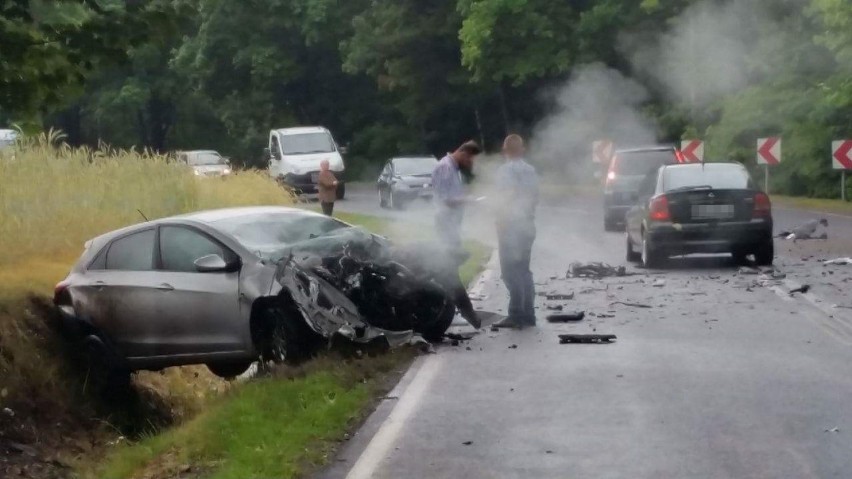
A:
722, 375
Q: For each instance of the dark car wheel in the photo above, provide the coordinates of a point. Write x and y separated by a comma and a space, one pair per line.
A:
103, 376
764, 255
651, 255
740, 255
230, 369
341, 190
435, 332
283, 336
632, 255
383, 202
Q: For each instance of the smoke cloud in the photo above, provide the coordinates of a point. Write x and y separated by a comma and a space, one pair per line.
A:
596, 103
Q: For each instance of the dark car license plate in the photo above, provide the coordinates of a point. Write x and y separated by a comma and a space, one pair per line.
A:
712, 212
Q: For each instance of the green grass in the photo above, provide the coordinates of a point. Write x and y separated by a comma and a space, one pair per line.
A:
814, 204
272, 427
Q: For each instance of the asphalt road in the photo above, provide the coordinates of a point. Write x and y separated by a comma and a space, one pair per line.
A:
721, 376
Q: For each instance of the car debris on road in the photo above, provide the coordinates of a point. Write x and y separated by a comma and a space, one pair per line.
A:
586, 338
801, 289
595, 270
566, 317
807, 231
838, 261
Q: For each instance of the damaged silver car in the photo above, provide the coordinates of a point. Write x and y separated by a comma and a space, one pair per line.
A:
226, 287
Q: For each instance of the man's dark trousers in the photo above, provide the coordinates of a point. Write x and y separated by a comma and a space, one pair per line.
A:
515, 248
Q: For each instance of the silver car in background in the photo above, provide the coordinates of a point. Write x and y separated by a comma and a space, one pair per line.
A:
405, 179
205, 163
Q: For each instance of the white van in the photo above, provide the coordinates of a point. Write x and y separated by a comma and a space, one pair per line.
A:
295, 155
7, 138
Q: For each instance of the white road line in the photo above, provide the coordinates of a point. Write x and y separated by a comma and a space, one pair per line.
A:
385, 438
409, 399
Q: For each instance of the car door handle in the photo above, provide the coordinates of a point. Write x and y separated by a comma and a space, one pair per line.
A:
99, 285
165, 287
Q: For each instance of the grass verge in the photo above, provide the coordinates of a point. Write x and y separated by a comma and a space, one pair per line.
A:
281, 426
839, 207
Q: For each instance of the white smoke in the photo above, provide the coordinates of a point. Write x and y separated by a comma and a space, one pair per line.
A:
596, 103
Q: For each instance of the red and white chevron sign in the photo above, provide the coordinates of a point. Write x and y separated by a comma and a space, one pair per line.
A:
693, 150
769, 151
602, 151
841, 154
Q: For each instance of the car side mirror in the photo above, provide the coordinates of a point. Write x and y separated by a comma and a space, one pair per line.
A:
227, 161
267, 153
343, 150
212, 263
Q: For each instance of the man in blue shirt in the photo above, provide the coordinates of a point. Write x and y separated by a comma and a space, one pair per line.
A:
448, 180
517, 182
450, 194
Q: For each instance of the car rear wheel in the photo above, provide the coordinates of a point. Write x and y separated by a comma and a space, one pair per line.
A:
764, 255
383, 202
229, 370
651, 256
632, 256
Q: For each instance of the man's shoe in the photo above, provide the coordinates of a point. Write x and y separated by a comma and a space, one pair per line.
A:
508, 323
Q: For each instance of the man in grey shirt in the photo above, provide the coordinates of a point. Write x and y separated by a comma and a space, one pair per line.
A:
517, 182
450, 199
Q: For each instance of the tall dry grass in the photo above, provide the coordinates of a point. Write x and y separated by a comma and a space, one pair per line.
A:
52, 199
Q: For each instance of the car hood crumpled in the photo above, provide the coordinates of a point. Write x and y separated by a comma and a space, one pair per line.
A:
348, 283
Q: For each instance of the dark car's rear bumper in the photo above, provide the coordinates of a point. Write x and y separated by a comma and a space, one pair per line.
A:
722, 237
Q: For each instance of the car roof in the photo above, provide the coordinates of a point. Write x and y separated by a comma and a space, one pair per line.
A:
646, 149
713, 165
205, 217
301, 129
196, 152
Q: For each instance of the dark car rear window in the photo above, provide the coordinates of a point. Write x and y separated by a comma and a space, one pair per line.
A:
640, 163
717, 176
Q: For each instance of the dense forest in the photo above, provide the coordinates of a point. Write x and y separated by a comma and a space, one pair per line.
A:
409, 76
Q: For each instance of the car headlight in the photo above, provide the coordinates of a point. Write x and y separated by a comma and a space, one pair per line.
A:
197, 173
226, 171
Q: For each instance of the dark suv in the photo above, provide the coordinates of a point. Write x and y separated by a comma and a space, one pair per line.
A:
626, 171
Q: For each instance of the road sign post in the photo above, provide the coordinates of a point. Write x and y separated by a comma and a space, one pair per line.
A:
768, 154
692, 150
841, 159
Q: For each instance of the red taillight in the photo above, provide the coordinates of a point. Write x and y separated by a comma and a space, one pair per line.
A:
659, 208
60, 294
762, 205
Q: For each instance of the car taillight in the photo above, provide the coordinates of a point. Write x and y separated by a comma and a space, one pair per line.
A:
659, 208
762, 205
61, 295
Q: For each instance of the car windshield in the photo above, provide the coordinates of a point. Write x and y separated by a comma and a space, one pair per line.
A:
204, 158
640, 163
267, 234
305, 143
414, 166
716, 176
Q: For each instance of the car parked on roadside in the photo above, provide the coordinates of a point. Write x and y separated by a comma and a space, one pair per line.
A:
626, 170
404, 179
224, 287
7, 138
699, 208
206, 163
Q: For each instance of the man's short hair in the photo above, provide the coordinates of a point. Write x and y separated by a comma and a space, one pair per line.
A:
513, 142
470, 147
